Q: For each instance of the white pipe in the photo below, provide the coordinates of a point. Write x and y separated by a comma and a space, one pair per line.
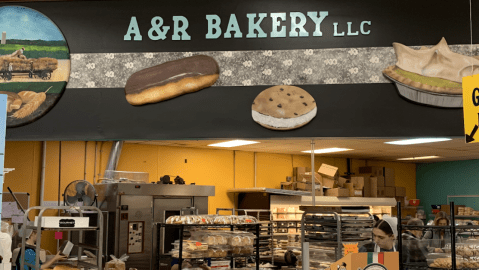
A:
84, 162
234, 169
254, 169
313, 178
42, 176
94, 165
112, 164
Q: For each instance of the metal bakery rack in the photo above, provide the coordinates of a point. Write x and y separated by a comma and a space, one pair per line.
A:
182, 230
264, 218
324, 230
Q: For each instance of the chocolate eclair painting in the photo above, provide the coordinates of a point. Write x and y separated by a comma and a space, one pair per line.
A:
431, 76
171, 79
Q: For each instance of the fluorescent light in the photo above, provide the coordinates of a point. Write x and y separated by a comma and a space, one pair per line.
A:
233, 143
418, 141
417, 158
327, 150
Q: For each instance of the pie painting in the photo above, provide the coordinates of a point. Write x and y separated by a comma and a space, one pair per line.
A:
431, 76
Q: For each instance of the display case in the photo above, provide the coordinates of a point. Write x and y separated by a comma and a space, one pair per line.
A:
197, 255
324, 231
80, 262
459, 248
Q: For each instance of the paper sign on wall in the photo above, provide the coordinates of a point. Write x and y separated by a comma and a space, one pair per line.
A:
470, 94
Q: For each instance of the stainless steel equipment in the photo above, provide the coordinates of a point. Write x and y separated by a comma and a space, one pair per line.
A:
132, 208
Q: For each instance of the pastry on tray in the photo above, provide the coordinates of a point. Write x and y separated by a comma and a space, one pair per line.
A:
431, 76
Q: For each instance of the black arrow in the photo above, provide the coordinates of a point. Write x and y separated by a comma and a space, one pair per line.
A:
470, 138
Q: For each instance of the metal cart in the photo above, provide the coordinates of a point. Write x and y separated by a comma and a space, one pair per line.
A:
81, 210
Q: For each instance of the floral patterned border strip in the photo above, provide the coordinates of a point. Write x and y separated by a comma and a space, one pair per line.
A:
245, 68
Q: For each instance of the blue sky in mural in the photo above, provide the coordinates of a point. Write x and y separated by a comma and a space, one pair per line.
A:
27, 24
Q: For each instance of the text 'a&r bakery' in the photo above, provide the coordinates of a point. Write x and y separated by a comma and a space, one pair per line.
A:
216, 27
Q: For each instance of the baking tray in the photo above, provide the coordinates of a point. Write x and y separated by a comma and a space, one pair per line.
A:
357, 225
355, 232
356, 218
427, 97
355, 238
357, 221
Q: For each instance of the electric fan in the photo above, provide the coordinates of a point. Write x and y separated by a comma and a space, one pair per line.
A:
79, 193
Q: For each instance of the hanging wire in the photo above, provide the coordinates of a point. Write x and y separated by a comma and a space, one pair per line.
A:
470, 26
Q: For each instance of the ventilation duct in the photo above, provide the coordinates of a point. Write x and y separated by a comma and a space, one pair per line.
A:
113, 159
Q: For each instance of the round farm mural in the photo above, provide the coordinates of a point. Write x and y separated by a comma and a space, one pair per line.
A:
34, 64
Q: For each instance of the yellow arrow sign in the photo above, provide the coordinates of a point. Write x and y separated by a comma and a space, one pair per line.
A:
470, 95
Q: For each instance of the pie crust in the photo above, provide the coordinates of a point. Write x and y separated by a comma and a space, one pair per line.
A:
391, 73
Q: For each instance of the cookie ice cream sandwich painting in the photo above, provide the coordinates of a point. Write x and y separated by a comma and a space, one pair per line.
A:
283, 107
34, 64
431, 76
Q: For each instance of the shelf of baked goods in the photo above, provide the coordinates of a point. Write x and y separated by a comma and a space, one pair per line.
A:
465, 252
210, 221
215, 236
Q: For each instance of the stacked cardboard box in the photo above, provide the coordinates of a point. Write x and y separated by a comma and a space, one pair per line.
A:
383, 182
372, 181
302, 180
330, 176
326, 180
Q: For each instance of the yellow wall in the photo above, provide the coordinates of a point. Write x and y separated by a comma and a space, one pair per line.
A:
225, 169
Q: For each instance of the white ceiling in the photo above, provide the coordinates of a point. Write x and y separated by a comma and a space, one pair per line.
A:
364, 148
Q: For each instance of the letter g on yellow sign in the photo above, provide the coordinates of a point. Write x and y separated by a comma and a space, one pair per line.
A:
470, 95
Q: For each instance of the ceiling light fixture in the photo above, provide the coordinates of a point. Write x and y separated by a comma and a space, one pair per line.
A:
418, 158
418, 141
232, 143
327, 150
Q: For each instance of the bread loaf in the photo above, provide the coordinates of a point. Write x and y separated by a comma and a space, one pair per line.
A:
27, 96
14, 101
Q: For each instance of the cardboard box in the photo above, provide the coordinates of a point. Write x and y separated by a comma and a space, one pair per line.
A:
329, 171
367, 186
337, 192
380, 192
358, 193
342, 181
389, 180
374, 187
447, 208
350, 187
355, 261
329, 183
300, 170
380, 180
306, 178
400, 192
358, 182
386, 192
372, 170
305, 186
287, 185
402, 200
